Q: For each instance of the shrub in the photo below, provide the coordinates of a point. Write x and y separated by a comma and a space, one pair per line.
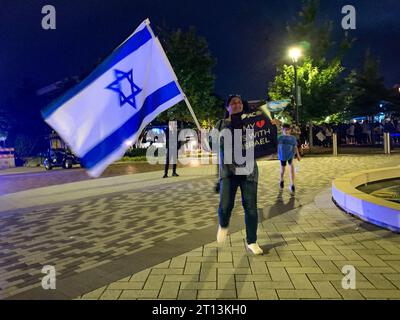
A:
135, 152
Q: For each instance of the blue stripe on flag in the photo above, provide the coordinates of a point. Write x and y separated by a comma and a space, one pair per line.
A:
118, 137
131, 45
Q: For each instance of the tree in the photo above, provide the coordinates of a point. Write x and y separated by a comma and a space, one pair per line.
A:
4, 127
393, 97
24, 144
316, 38
25, 125
367, 88
320, 88
319, 77
193, 63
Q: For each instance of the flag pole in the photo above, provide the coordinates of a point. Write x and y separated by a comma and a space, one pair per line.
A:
189, 106
205, 142
192, 113
176, 78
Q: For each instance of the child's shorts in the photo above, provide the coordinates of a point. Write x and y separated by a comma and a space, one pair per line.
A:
283, 163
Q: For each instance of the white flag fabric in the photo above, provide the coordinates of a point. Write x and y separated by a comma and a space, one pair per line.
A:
105, 114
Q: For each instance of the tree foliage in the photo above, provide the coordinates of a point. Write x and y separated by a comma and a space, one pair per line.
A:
367, 88
320, 88
4, 126
193, 64
22, 114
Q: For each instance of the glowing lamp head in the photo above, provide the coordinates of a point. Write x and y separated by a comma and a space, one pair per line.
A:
295, 53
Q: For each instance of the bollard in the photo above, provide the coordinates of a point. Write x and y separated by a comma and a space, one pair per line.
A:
334, 144
386, 142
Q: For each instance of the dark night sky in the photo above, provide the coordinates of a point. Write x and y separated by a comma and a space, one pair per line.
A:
244, 36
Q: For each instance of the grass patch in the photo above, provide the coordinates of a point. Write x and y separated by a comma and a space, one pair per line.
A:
132, 159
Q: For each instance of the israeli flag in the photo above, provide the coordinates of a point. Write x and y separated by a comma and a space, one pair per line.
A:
104, 115
278, 105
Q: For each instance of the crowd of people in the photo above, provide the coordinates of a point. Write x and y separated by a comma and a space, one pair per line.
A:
363, 132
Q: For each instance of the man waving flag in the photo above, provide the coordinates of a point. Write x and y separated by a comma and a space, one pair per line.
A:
105, 114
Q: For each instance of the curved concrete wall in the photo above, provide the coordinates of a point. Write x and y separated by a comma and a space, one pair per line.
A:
369, 208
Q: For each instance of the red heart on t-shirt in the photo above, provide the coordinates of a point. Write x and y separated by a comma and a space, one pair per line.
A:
260, 123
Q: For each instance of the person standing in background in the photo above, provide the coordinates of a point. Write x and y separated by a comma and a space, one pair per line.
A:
172, 150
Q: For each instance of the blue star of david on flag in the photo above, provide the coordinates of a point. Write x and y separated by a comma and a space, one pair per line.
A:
125, 87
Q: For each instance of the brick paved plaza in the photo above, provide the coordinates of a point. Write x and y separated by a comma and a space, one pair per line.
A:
142, 237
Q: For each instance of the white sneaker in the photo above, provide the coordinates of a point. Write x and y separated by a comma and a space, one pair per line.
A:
255, 248
221, 234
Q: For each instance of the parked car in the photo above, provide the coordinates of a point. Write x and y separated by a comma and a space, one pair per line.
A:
60, 158
58, 154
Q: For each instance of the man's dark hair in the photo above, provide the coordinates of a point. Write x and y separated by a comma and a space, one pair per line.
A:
286, 126
246, 108
230, 97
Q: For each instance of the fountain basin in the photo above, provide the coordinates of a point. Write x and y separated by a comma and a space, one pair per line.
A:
368, 207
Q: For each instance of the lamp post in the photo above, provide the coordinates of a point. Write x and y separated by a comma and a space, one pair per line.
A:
295, 53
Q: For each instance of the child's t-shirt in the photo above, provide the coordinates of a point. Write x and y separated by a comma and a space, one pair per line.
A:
286, 145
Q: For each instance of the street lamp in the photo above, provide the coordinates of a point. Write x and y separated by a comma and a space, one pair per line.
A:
295, 53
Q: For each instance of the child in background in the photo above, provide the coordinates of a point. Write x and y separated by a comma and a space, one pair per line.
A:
287, 149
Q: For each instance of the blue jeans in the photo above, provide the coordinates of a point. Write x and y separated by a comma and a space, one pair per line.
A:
228, 188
